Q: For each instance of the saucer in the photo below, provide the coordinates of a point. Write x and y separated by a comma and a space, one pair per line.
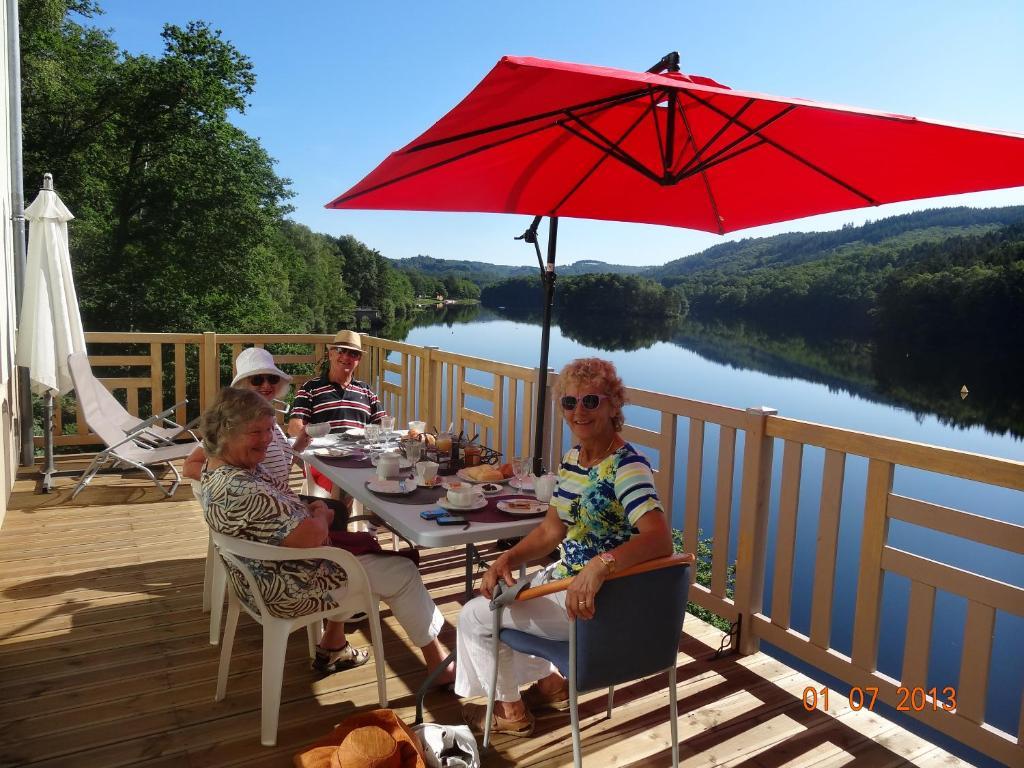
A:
478, 503
435, 483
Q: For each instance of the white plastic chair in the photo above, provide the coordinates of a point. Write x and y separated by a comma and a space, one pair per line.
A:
138, 443
215, 580
359, 598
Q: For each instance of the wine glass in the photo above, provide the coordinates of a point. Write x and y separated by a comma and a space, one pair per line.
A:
387, 427
521, 468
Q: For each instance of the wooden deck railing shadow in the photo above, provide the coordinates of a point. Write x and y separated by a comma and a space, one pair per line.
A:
738, 483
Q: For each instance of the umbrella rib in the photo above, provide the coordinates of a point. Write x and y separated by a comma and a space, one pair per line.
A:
817, 169
443, 162
707, 182
657, 134
612, 148
696, 159
607, 102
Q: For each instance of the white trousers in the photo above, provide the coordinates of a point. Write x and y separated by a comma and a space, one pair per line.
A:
396, 581
474, 668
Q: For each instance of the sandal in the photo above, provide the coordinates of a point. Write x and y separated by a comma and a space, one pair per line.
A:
475, 714
327, 662
535, 698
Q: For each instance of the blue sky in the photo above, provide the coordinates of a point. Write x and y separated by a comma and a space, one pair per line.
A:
341, 84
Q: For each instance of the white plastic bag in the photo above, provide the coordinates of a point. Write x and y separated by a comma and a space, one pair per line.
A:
448, 746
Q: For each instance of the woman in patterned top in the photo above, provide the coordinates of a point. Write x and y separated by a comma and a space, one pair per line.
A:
604, 515
240, 499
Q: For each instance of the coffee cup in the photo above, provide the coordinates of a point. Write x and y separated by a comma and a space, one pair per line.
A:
426, 471
461, 497
544, 486
318, 430
388, 464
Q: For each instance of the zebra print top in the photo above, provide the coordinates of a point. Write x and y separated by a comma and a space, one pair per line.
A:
248, 504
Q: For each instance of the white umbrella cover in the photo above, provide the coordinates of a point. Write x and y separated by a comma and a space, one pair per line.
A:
51, 325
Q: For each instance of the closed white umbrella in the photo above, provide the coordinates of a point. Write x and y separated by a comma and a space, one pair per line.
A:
51, 324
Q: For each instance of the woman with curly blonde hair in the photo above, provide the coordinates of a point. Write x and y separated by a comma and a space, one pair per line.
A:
604, 516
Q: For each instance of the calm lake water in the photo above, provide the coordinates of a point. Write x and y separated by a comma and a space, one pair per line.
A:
737, 371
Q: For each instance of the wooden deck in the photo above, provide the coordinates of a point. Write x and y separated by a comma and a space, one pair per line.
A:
105, 661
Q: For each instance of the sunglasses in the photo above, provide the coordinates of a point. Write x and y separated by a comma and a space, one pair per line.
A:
355, 354
270, 378
590, 402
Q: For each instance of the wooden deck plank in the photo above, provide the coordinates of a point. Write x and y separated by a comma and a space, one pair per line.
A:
105, 661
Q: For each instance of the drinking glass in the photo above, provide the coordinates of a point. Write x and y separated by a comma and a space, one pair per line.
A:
521, 469
387, 427
413, 450
373, 433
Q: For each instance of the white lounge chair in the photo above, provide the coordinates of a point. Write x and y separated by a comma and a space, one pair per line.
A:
131, 441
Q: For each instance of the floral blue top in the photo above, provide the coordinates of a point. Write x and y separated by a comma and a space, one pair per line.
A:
600, 505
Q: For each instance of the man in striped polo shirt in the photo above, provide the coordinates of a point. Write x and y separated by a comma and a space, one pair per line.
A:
337, 398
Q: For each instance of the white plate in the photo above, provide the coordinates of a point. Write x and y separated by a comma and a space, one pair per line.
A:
323, 442
435, 483
340, 453
403, 463
478, 503
535, 508
391, 487
526, 485
461, 474
490, 489
355, 432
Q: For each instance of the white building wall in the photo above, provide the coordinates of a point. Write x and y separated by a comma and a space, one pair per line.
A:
8, 388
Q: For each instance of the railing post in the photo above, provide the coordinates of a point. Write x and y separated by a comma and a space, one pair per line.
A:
753, 533
209, 370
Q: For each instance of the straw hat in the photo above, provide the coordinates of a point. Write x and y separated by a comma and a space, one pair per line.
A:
347, 340
375, 739
254, 361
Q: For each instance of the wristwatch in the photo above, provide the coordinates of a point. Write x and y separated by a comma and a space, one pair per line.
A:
609, 560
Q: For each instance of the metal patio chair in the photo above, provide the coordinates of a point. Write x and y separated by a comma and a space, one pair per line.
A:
641, 608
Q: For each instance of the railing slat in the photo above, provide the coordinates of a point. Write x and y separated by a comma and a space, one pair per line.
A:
785, 540
955, 522
871, 577
946, 461
980, 589
156, 376
723, 509
666, 475
828, 546
694, 474
917, 646
181, 414
972, 687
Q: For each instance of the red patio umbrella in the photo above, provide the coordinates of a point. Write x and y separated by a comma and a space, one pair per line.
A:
554, 139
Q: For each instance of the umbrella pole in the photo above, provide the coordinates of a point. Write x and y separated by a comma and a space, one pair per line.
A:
547, 277
48, 469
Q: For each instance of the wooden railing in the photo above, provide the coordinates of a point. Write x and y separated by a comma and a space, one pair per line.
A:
496, 399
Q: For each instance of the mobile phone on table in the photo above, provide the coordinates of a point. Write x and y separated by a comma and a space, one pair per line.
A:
447, 519
432, 514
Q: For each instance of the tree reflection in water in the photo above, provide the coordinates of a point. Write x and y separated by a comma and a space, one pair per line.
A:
924, 380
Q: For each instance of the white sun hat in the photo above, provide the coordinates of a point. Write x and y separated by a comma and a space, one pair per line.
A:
255, 361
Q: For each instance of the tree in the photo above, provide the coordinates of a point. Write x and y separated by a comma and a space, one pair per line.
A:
177, 209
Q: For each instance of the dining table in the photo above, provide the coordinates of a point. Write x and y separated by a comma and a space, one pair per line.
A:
401, 511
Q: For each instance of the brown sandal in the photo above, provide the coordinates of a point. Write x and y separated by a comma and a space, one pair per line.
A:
535, 699
476, 714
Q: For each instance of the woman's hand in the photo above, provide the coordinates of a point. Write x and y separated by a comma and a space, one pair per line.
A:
500, 569
579, 597
320, 510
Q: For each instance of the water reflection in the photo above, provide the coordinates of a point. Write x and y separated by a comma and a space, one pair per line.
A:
923, 380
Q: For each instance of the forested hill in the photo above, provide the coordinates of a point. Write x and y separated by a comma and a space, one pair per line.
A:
895, 233
483, 273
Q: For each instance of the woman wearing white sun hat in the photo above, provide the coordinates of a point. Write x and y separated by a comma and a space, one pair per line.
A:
255, 370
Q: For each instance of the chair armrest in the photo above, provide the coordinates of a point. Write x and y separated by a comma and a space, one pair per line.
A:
669, 561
